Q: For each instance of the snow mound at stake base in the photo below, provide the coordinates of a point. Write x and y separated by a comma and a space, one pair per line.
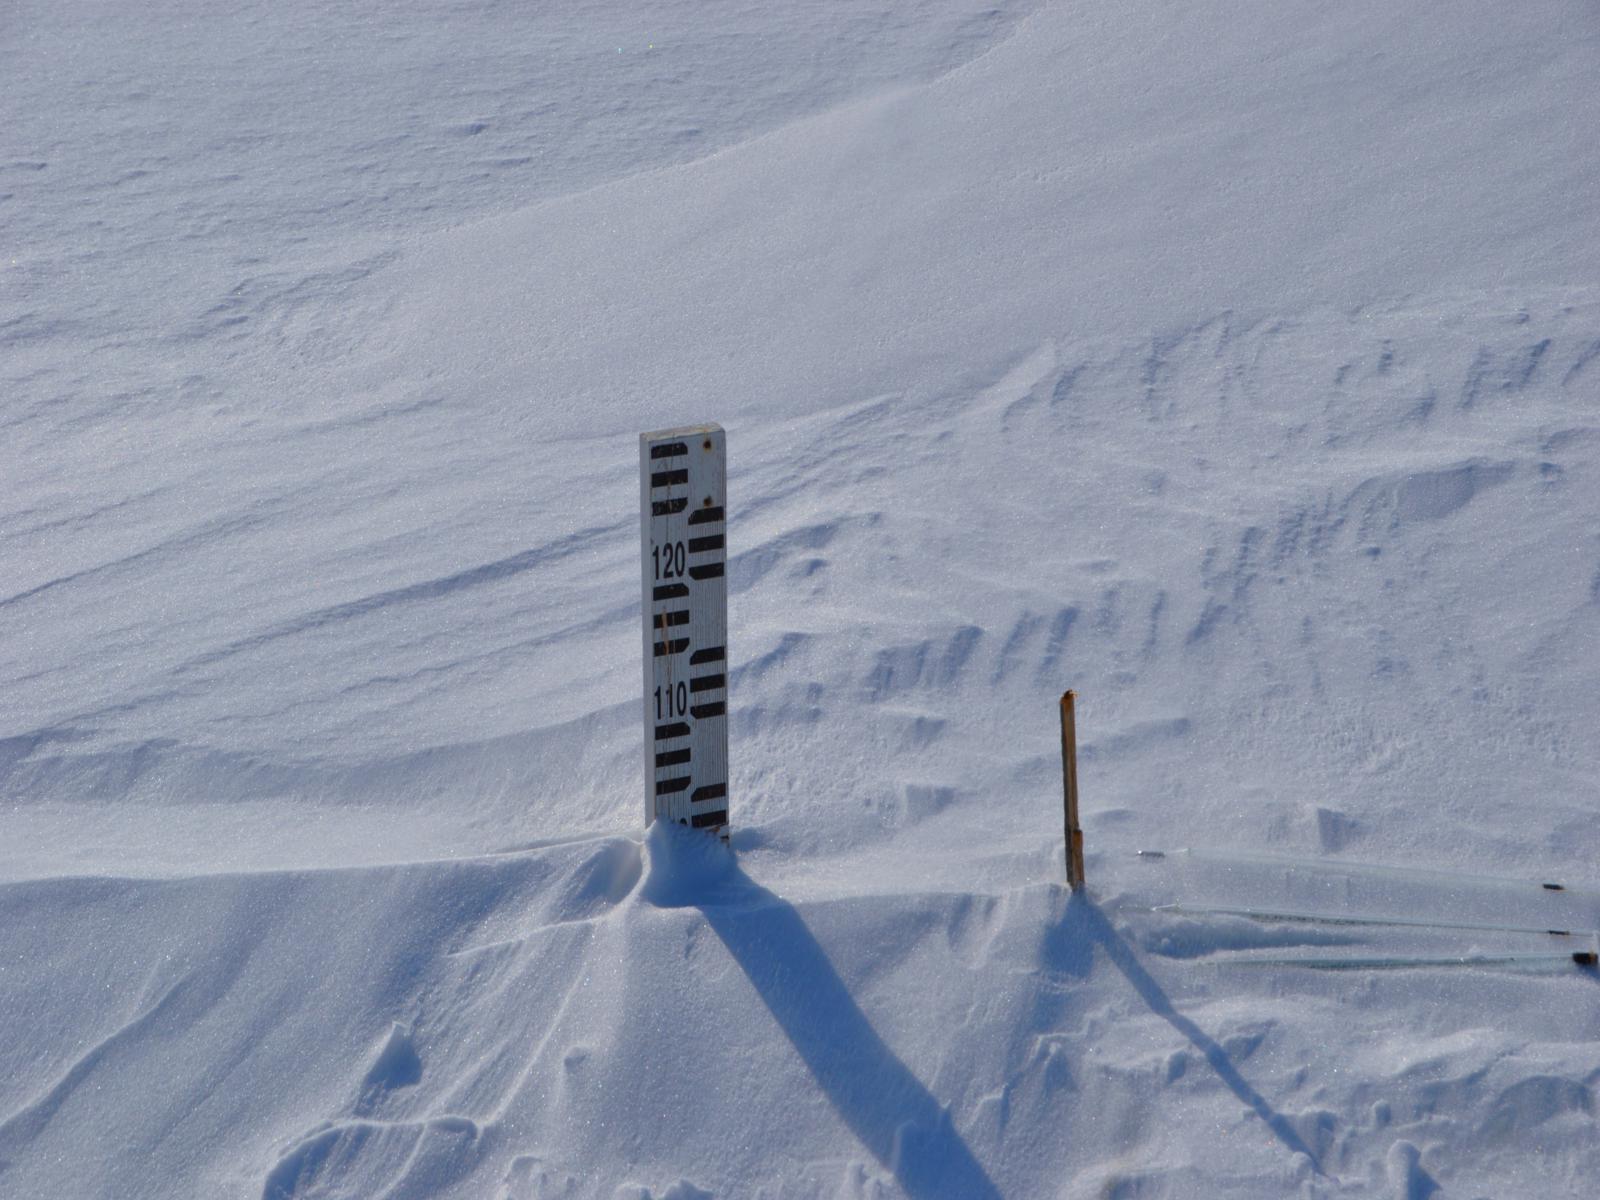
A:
572, 1009
1239, 374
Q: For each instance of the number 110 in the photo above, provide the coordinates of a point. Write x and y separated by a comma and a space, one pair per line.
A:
675, 700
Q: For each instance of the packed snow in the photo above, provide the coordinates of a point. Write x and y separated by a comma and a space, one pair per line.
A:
1236, 366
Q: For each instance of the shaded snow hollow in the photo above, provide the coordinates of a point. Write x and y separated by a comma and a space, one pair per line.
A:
1238, 368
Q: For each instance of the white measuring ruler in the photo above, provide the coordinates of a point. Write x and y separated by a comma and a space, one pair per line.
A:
682, 493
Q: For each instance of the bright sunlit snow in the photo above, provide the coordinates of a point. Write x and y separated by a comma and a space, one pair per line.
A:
1235, 365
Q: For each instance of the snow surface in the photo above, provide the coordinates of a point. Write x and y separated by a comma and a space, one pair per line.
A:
1235, 365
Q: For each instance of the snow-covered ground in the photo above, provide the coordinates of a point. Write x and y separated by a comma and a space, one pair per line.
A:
1235, 365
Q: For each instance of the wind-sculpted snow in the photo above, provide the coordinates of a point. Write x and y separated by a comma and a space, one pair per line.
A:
1270, 518
515, 1026
1240, 375
526, 1016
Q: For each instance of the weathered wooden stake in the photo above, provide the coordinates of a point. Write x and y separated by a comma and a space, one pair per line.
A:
1069, 787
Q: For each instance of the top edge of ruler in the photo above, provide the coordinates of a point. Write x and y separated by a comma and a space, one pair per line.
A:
681, 431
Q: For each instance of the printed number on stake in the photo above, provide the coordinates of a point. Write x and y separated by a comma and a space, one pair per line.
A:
669, 560
672, 701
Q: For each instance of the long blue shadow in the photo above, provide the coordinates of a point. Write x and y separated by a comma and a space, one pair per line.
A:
1067, 948
882, 1102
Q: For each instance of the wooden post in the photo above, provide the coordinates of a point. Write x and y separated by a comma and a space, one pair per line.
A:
1069, 787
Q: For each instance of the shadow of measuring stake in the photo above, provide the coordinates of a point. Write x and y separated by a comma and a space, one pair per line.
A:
882, 1102
1068, 946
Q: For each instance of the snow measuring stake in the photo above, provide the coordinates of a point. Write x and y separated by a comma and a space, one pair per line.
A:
682, 489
